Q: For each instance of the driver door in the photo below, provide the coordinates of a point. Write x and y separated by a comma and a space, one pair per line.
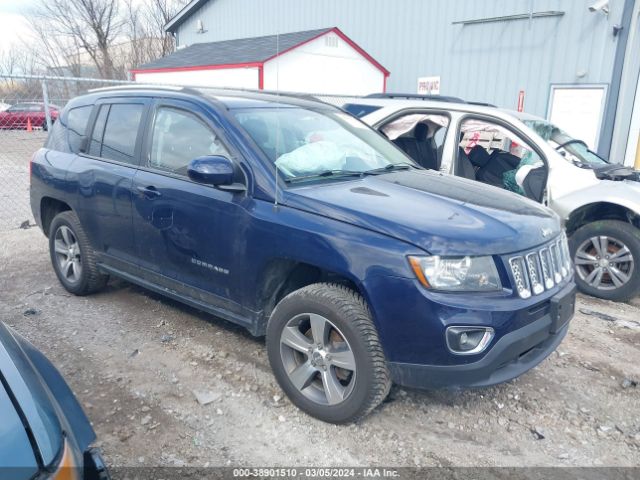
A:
184, 229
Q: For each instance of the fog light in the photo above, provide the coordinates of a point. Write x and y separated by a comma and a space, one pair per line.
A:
468, 340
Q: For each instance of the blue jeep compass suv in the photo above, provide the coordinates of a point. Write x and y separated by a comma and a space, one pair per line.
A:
299, 222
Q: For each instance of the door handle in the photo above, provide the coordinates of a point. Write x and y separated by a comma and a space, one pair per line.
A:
149, 192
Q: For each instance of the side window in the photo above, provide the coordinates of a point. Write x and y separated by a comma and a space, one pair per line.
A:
121, 132
420, 135
178, 137
495, 155
98, 131
77, 120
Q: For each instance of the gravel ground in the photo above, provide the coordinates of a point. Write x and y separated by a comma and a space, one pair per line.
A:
135, 360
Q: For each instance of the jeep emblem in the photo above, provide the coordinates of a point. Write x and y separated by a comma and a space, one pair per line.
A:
546, 232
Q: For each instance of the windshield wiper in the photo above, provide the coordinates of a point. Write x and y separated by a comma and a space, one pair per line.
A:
326, 173
392, 167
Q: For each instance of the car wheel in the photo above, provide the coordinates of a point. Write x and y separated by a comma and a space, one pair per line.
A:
72, 257
606, 255
325, 353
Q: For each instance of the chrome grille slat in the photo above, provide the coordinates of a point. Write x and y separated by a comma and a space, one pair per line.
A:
541, 269
545, 260
533, 267
555, 261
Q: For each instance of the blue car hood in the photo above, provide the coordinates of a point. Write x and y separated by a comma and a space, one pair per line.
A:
16, 452
439, 213
25, 385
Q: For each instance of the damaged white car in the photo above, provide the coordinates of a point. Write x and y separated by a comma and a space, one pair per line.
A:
599, 202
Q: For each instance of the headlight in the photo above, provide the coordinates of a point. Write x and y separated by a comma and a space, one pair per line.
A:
458, 274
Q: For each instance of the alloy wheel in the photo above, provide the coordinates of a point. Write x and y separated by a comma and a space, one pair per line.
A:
67, 252
604, 262
318, 359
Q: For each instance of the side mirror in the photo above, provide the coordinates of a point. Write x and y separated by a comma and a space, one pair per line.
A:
211, 169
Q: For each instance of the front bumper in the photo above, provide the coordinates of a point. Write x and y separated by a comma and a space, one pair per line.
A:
512, 355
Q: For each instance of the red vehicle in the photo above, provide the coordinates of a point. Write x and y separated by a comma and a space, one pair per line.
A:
18, 115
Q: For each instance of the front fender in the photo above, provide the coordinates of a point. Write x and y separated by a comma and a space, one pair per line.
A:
624, 193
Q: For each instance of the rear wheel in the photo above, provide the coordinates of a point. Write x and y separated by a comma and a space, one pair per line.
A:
325, 353
72, 257
606, 255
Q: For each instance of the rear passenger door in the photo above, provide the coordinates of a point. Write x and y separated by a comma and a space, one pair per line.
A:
185, 230
104, 175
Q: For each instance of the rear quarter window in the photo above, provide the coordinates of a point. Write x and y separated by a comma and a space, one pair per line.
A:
77, 121
56, 139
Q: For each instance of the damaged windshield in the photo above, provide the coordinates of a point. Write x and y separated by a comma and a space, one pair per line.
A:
571, 148
316, 145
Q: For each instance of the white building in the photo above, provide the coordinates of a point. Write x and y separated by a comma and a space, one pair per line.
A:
324, 61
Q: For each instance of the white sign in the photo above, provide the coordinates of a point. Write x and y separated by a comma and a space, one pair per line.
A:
429, 86
578, 110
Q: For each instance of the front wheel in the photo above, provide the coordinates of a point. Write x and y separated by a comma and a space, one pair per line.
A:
325, 353
605, 254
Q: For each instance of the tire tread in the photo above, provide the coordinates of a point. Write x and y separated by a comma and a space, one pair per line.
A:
96, 280
354, 308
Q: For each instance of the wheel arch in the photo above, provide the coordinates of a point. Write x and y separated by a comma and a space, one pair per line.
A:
595, 211
283, 276
49, 208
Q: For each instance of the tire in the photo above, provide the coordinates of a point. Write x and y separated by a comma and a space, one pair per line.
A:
349, 338
619, 280
82, 276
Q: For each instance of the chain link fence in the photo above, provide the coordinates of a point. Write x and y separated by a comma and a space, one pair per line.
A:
28, 107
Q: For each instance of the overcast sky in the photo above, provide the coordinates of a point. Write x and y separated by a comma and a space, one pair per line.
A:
12, 24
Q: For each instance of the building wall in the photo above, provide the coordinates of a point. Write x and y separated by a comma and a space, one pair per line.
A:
327, 64
488, 62
236, 77
626, 132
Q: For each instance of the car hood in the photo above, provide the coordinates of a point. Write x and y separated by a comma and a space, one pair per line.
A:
439, 213
23, 383
16, 452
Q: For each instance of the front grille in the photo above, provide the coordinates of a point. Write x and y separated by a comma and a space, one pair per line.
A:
541, 269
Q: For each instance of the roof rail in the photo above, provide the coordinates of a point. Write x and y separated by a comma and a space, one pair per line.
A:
433, 98
483, 104
137, 86
415, 96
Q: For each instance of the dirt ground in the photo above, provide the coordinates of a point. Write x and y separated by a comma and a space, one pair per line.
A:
135, 360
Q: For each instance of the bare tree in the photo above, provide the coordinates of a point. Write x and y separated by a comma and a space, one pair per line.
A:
112, 35
17, 61
145, 28
91, 25
55, 54
158, 13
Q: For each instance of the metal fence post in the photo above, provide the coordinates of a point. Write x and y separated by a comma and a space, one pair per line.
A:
45, 99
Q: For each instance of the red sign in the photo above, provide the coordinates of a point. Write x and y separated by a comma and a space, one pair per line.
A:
521, 101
